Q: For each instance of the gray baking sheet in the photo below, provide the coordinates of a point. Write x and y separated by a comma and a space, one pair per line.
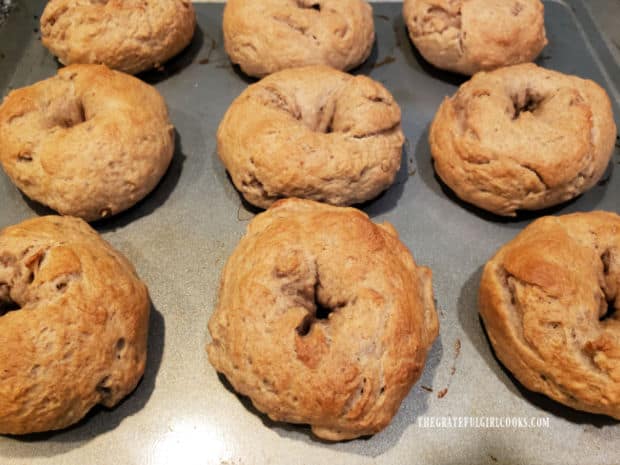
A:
180, 236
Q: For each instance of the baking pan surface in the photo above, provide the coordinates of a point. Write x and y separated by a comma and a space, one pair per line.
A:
180, 236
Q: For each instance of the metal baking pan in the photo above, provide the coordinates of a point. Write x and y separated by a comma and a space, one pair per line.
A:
180, 236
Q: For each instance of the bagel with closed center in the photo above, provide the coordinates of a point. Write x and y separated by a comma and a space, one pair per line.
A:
88, 142
323, 318
522, 138
549, 300
312, 132
266, 36
73, 324
126, 35
467, 36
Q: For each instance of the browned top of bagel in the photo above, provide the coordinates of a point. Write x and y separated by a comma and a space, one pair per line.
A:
323, 318
127, 35
312, 132
88, 142
467, 36
522, 137
76, 332
266, 36
546, 300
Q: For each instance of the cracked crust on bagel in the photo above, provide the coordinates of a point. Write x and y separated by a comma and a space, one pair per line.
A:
323, 318
550, 302
73, 324
522, 138
312, 132
126, 35
467, 36
88, 142
266, 36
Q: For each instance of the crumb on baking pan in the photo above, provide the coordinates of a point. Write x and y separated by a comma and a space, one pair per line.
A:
386, 61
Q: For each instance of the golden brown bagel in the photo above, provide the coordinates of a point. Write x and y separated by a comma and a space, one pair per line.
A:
467, 36
522, 138
126, 35
323, 318
266, 36
88, 142
73, 324
312, 132
545, 299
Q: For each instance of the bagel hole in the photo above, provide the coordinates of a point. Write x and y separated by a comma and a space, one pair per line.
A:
610, 313
322, 312
68, 114
526, 103
309, 6
6, 303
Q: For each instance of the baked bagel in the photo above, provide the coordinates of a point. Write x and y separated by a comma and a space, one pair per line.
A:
522, 138
467, 36
266, 36
89, 142
126, 35
550, 299
323, 318
73, 324
312, 132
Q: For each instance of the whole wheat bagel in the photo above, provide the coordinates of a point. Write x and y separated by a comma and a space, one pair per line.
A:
323, 318
550, 302
522, 138
266, 36
312, 132
467, 36
73, 324
127, 35
89, 142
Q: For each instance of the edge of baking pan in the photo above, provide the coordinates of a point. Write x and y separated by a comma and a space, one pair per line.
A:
599, 45
21, 27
